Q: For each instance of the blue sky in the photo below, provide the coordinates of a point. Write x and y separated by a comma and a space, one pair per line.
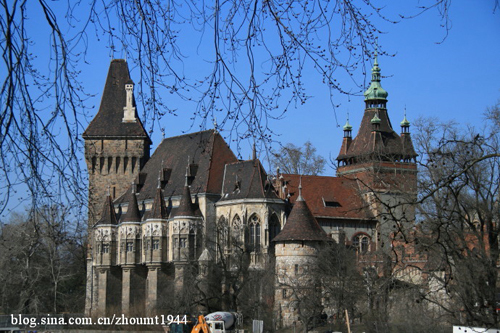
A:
454, 80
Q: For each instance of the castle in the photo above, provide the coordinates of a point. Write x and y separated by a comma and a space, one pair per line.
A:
151, 217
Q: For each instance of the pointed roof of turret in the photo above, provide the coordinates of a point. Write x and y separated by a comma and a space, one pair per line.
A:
186, 205
108, 123
133, 214
159, 210
301, 224
108, 215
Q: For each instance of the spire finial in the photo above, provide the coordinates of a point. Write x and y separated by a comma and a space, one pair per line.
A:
159, 178
405, 124
375, 92
347, 127
254, 152
300, 198
133, 187
188, 172
109, 191
215, 125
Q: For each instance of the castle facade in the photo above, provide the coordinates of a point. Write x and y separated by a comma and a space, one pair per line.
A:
193, 202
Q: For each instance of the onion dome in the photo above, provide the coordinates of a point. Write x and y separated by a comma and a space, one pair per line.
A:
375, 91
347, 126
405, 122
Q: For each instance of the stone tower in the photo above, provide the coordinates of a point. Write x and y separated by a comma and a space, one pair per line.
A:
116, 144
185, 232
381, 161
296, 251
116, 148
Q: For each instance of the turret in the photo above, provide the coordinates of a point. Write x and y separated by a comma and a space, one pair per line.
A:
130, 232
184, 227
296, 252
105, 236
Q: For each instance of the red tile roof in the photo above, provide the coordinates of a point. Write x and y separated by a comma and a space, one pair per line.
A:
342, 194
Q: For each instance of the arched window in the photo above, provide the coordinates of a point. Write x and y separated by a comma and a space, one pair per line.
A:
222, 232
236, 227
254, 242
274, 227
361, 242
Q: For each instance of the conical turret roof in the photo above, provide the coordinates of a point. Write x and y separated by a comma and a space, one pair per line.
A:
133, 214
159, 210
108, 215
185, 205
301, 225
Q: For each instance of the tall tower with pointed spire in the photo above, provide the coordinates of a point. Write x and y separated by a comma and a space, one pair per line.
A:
116, 144
382, 162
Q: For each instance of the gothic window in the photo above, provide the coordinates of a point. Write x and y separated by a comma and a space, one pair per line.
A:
274, 227
105, 248
222, 232
156, 244
254, 233
361, 242
130, 246
236, 228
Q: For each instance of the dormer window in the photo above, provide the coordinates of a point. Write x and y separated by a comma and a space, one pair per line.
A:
331, 203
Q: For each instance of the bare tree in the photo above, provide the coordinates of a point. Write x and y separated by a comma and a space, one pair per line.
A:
42, 263
459, 215
298, 160
255, 52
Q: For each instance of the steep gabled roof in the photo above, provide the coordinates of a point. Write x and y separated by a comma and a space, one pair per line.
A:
246, 179
301, 225
108, 215
207, 152
108, 121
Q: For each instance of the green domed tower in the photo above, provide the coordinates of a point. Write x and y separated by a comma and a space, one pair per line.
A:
382, 161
